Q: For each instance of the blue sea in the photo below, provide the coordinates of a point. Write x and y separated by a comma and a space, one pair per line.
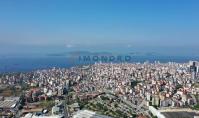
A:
25, 64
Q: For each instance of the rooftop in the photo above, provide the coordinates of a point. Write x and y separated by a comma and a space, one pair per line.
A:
88, 114
180, 114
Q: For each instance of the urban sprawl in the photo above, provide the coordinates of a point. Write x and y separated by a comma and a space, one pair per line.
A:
103, 90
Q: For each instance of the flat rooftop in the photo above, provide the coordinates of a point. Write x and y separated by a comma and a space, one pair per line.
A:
88, 114
7, 104
179, 114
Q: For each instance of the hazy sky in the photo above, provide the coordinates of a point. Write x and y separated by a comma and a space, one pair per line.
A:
169, 27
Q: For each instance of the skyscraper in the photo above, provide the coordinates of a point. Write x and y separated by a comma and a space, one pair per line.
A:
193, 69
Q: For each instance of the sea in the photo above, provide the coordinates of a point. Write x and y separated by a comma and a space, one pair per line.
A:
26, 64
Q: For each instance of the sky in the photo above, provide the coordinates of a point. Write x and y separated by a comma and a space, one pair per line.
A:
167, 27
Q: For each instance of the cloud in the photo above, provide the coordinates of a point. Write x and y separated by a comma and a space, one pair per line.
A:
69, 46
129, 46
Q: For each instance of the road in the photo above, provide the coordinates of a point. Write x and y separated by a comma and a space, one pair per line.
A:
65, 108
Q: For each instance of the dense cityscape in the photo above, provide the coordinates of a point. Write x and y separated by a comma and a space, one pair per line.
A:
103, 90
99, 58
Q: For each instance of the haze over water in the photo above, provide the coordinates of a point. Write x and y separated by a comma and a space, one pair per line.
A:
25, 64
30, 30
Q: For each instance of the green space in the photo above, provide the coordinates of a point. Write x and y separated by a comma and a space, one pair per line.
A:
103, 108
134, 83
47, 104
196, 107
